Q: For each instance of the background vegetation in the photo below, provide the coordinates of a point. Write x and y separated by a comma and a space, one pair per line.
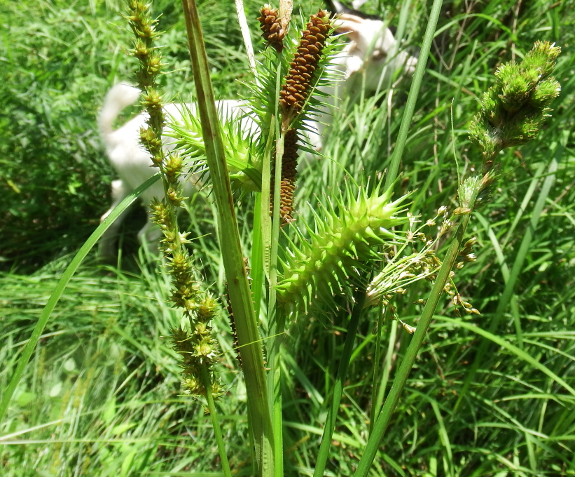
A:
102, 396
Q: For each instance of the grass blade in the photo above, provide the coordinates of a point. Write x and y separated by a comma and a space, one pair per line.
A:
61, 286
239, 290
513, 349
329, 427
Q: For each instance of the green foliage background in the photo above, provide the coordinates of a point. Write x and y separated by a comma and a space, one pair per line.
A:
101, 395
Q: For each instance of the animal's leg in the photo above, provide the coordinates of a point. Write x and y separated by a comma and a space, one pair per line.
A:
149, 236
107, 246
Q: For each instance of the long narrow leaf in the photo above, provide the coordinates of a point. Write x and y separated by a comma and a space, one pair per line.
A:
511, 348
61, 286
238, 287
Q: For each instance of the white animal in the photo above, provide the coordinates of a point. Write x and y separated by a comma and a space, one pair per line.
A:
363, 63
133, 163
366, 53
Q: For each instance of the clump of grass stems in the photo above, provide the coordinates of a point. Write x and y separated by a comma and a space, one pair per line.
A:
511, 113
294, 96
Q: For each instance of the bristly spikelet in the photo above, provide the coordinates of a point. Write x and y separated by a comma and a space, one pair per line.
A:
297, 87
244, 165
288, 177
340, 252
515, 108
150, 65
197, 348
144, 29
193, 342
272, 29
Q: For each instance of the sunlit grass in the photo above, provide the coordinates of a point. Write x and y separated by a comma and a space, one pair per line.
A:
101, 395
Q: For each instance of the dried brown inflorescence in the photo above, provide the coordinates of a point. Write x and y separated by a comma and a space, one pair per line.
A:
272, 27
288, 177
299, 79
293, 96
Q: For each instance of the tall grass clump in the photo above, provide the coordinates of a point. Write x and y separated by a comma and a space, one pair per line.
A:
57, 61
307, 321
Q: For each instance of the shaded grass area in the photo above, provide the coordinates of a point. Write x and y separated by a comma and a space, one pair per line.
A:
102, 395
58, 60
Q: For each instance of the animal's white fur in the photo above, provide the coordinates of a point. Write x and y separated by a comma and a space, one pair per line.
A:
366, 53
132, 162
362, 63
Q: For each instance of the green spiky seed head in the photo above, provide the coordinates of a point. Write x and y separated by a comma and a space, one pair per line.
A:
340, 252
515, 108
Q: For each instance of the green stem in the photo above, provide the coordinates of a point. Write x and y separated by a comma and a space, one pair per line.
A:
276, 317
407, 363
206, 381
380, 382
373, 411
413, 95
249, 338
276, 379
265, 218
338, 385
257, 259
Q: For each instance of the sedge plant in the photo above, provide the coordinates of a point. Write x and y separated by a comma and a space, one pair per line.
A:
512, 112
350, 236
362, 247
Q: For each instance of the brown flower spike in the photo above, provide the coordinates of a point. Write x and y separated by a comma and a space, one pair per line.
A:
272, 28
294, 94
299, 79
288, 177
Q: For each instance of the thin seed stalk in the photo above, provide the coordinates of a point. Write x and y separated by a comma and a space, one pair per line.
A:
411, 354
205, 377
379, 382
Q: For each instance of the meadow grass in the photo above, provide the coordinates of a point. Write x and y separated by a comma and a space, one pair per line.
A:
101, 395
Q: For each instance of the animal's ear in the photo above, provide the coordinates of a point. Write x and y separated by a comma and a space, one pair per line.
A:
340, 7
350, 25
337, 7
354, 64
